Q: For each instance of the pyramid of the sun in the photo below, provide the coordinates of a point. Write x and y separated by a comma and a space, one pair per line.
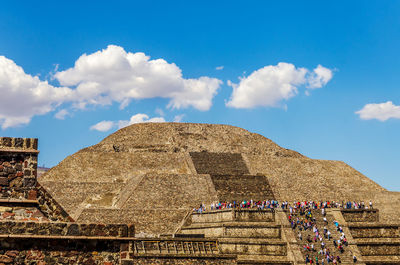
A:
151, 174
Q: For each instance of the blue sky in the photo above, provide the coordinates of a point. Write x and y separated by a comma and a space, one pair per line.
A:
320, 78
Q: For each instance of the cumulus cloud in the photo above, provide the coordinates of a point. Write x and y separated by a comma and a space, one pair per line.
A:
379, 111
114, 75
159, 112
270, 85
101, 78
139, 118
24, 96
319, 77
61, 114
219, 67
179, 118
103, 126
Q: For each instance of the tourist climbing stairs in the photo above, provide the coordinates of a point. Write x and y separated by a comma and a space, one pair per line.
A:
308, 238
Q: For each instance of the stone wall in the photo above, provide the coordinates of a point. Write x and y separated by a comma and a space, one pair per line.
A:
147, 222
58, 251
48, 206
180, 261
379, 249
66, 229
18, 166
219, 163
109, 250
253, 248
242, 187
375, 231
173, 251
11, 143
229, 215
360, 215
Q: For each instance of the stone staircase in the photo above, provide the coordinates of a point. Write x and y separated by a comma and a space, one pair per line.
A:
242, 187
346, 257
231, 177
219, 163
251, 234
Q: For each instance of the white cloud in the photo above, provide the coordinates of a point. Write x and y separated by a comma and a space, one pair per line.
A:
139, 118
61, 114
219, 67
106, 76
113, 74
159, 112
24, 96
103, 126
379, 111
179, 118
270, 85
319, 77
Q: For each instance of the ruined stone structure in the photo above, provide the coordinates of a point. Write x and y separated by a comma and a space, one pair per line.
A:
129, 200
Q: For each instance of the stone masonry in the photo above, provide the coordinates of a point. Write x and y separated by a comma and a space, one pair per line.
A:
18, 166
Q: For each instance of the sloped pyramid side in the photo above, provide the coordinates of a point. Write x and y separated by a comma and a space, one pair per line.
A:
94, 179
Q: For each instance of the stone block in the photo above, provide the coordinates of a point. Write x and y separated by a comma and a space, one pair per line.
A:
7, 141
124, 247
29, 182
123, 231
19, 142
18, 167
35, 143
131, 230
32, 195
73, 230
27, 143
11, 177
3, 181
11, 170
5, 259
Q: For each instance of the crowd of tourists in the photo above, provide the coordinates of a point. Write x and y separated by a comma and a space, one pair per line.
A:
302, 219
250, 204
273, 204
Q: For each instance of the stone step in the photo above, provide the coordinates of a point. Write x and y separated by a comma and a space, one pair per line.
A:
390, 259
232, 224
262, 259
253, 248
242, 187
346, 256
230, 215
219, 163
234, 230
251, 240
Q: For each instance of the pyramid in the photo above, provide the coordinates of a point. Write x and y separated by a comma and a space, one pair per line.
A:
152, 174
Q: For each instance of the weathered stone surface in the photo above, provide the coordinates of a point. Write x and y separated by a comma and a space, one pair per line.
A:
6, 141
3, 181
155, 161
180, 261
19, 142
64, 229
